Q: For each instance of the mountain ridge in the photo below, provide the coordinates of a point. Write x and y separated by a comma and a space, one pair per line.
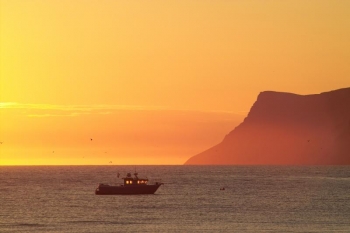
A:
290, 129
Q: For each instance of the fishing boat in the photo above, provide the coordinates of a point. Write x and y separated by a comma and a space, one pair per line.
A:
131, 185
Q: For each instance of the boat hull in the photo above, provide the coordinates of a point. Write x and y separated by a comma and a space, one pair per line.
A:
127, 190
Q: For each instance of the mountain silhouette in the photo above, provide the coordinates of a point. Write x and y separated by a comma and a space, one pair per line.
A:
290, 129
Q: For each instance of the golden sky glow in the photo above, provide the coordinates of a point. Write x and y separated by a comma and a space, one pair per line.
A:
154, 82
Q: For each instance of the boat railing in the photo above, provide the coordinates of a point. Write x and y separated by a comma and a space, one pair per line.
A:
103, 184
155, 181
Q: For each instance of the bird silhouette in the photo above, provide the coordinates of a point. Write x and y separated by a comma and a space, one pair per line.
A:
110, 161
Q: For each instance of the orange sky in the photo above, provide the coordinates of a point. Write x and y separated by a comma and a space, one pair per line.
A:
154, 82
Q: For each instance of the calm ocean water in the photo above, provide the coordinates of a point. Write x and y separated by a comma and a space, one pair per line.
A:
255, 199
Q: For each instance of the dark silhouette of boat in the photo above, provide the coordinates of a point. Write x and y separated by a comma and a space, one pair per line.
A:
132, 185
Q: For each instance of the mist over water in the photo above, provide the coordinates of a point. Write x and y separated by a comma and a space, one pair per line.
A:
255, 199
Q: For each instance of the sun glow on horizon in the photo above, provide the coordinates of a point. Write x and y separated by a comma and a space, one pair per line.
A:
41, 134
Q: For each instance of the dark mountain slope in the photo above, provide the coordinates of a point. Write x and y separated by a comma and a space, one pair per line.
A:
285, 128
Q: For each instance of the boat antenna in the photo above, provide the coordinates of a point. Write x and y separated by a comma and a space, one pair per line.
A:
135, 174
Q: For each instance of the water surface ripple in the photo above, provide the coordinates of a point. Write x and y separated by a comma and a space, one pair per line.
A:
255, 199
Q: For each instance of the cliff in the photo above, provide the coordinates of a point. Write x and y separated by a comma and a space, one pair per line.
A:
285, 128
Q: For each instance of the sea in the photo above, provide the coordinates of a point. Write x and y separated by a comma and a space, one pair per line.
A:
254, 199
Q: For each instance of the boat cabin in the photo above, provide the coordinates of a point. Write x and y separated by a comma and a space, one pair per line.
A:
129, 180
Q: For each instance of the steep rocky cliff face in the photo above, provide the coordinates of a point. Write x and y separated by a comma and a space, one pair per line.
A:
285, 128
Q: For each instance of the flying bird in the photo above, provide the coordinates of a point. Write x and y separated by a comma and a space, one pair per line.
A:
110, 161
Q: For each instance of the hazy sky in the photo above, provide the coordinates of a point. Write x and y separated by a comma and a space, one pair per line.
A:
154, 82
